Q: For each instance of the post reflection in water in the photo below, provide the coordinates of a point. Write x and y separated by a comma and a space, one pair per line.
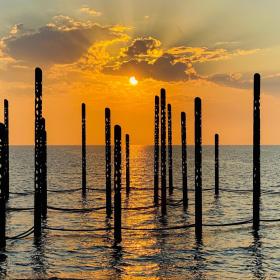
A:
3, 265
257, 261
161, 254
38, 257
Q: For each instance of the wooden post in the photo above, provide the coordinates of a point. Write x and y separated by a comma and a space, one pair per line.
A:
156, 150
7, 168
163, 151
170, 156
127, 164
256, 154
2, 188
38, 153
117, 185
108, 161
198, 170
216, 164
44, 170
84, 159
184, 159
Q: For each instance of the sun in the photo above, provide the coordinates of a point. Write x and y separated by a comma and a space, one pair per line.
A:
133, 81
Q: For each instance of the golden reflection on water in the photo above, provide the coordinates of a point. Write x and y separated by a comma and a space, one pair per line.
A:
224, 253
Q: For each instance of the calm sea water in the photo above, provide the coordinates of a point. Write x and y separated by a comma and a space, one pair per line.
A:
225, 252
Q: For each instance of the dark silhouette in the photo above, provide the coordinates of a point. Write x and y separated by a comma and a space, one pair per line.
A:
38, 153
7, 169
256, 154
163, 151
2, 188
156, 150
117, 184
184, 159
170, 157
108, 161
216, 164
44, 169
84, 160
127, 167
198, 170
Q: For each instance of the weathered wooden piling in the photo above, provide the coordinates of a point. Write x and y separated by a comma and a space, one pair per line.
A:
2, 188
184, 159
127, 163
44, 190
117, 184
84, 160
156, 150
7, 168
198, 170
108, 161
216, 164
38, 153
170, 151
256, 153
163, 151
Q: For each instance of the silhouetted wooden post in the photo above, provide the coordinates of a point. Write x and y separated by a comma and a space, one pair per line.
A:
163, 151
108, 161
198, 170
256, 153
170, 156
2, 188
84, 160
7, 168
184, 159
117, 184
216, 164
38, 153
127, 163
44, 169
156, 150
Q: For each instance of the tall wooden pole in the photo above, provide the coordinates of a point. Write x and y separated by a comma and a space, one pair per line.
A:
127, 163
38, 153
163, 151
256, 153
216, 164
7, 168
156, 151
84, 160
198, 170
184, 159
108, 161
117, 184
2, 188
44, 169
170, 152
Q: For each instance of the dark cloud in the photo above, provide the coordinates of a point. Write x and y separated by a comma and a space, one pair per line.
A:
243, 81
55, 43
163, 68
142, 46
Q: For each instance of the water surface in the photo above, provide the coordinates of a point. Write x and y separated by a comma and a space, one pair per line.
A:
225, 253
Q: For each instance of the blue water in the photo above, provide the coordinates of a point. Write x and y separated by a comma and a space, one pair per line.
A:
225, 252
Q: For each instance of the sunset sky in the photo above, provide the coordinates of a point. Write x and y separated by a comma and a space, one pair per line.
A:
88, 50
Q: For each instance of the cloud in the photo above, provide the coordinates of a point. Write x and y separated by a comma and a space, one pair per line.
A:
143, 47
269, 82
62, 41
90, 11
163, 68
145, 57
235, 80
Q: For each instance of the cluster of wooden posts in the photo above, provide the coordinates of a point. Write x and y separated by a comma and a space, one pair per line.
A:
40, 191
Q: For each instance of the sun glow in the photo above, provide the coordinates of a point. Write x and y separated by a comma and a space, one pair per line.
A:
133, 81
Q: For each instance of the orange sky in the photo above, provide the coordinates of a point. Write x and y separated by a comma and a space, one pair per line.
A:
88, 51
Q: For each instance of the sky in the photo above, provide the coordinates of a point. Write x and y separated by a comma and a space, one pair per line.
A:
88, 50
